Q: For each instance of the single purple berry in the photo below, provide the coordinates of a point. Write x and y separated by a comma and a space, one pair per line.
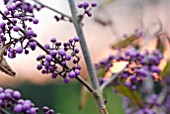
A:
77, 72
80, 5
29, 33
19, 50
47, 46
53, 40
70, 40
79, 67
49, 58
26, 106
39, 67
33, 45
93, 4
6, 12
127, 83
72, 74
61, 52
16, 94
35, 21
40, 57
18, 108
53, 53
16, 28
76, 39
58, 44
32, 111
68, 57
2, 95
85, 5
63, 63
66, 80
54, 75
45, 108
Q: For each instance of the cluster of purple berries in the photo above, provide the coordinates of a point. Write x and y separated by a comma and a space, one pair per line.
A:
138, 68
12, 100
105, 63
149, 106
27, 7
87, 7
15, 28
59, 56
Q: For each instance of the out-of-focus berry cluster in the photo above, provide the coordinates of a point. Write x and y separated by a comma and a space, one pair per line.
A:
59, 57
14, 27
10, 99
150, 107
138, 68
87, 7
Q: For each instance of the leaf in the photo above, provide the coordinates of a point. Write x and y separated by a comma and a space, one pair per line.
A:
125, 42
4, 67
160, 45
132, 95
85, 94
166, 69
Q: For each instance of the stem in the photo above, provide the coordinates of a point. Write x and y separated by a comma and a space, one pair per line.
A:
2, 111
86, 54
93, 91
108, 82
52, 9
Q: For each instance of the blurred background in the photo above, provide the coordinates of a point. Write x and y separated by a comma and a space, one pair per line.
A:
125, 15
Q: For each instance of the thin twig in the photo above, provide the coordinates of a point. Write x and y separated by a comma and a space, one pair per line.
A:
86, 54
2, 111
52, 9
87, 85
108, 82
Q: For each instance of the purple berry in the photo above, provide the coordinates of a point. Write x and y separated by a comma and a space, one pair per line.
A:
93, 4
72, 74
29, 33
39, 67
77, 72
49, 58
61, 52
47, 46
68, 57
19, 50
66, 80
85, 5
16, 94
18, 108
80, 5
35, 21
53, 40
76, 39
53, 53
32, 45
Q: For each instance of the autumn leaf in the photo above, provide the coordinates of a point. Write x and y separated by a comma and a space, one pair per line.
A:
4, 67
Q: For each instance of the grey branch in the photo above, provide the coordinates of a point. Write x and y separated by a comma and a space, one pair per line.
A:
86, 54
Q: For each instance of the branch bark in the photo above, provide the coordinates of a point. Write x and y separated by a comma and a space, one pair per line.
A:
86, 54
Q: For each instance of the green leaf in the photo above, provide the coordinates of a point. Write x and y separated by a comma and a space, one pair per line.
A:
166, 70
125, 42
132, 95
